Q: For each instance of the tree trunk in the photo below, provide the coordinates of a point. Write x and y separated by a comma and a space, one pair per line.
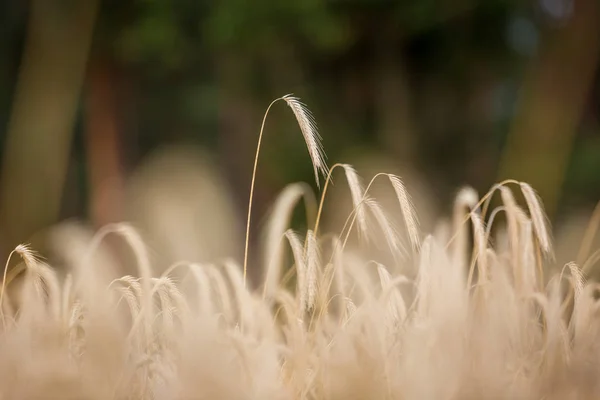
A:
551, 105
41, 123
103, 145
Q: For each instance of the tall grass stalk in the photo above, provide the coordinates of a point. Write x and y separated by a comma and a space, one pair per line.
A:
313, 143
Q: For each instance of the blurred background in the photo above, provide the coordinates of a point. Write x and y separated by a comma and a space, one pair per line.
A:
149, 110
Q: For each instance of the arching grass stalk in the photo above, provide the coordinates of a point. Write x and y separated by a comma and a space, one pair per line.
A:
315, 150
28, 257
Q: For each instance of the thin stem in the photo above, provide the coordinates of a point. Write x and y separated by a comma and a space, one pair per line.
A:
4, 286
7, 278
262, 127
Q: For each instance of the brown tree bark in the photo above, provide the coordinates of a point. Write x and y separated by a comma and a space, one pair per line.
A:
103, 144
43, 114
553, 97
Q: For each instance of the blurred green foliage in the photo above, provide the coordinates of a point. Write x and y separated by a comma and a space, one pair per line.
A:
460, 63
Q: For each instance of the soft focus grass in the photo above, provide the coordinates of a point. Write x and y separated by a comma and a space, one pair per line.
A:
465, 312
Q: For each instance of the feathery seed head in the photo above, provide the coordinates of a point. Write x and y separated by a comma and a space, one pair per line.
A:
408, 211
308, 126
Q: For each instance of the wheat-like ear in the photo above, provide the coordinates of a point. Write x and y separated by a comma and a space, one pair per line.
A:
130, 290
466, 198
27, 254
577, 282
74, 325
579, 279
126, 293
172, 303
538, 217
311, 135
408, 210
181, 305
163, 288
357, 192
313, 260
301, 268
480, 246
